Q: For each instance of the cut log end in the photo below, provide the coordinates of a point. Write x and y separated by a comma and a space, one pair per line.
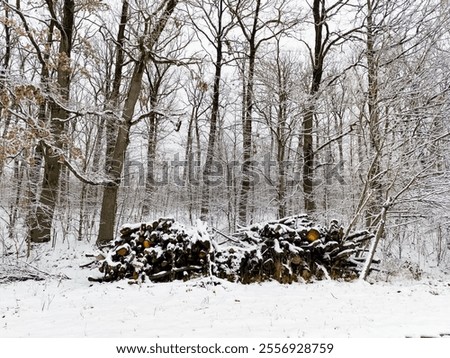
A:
123, 251
313, 235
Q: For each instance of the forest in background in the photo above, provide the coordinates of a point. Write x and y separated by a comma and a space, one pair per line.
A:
231, 111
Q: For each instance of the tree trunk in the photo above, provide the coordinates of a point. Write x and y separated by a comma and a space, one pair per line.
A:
151, 153
109, 202
15, 205
373, 247
281, 139
375, 203
204, 211
42, 226
247, 141
192, 157
3, 81
111, 124
247, 121
308, 161
319, 14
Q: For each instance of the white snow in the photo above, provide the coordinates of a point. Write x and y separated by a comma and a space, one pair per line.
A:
199, 308
276, 246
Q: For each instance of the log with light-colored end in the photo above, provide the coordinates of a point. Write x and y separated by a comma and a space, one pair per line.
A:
123, 251
312, 235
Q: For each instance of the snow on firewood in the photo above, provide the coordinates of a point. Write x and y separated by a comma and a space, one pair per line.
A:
162, 250
295, 249
286, 250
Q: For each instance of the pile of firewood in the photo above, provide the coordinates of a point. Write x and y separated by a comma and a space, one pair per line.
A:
286, 250
292, 249
159, 251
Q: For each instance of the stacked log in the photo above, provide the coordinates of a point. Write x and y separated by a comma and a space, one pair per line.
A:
160, 251
293, 249
287, 250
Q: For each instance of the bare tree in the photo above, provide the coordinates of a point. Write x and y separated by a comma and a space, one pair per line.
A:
277, 106
405, 104
4, 69
150, 36
213, 25
257, 27
324, 41
41, 225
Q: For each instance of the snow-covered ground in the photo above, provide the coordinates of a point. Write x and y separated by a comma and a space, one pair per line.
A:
76, 308
205, 308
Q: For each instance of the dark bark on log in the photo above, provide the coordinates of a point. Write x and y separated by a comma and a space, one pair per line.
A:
164, 251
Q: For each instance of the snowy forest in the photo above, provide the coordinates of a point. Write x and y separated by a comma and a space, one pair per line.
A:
238, 168
229, 111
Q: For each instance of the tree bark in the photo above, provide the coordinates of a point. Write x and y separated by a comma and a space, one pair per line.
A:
375, 186
109, 202
204, 211
3, 80
151, 150
319, 14
114, 95
374, 244
38, 154
282, 74
247, 121
41, 227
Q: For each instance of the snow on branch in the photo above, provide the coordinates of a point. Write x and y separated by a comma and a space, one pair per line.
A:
76, 171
